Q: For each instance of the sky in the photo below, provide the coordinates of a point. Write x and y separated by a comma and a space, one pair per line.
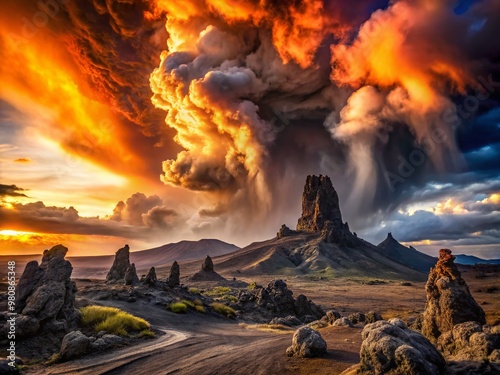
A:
153, 121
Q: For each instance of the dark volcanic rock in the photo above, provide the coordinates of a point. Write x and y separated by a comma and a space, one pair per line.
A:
393, 349
46, 292
151, 278
449, 301
131, 276
305, 307
321, 212
281, 296
320, 203
284, 231
74, 345
207, 272
207, 264
120, 265
174, 278
307, 343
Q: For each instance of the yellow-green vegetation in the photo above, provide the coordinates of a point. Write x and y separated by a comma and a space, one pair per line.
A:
252, 285
112, 320
218, 291
194, 291
222, 309
147, 333
200, 309
188, 303
178, 307
230, 298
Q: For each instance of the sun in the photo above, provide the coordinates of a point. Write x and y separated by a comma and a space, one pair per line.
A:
12, 233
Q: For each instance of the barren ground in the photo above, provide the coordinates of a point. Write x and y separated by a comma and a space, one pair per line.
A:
197, 344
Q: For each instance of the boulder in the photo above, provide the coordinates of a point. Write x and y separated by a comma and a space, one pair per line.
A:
281, 297
151, 278
449, 301
307, 343
372, 317
74, 345
120, 266
342, 322
393, 349
358, 318
175, 275
330, 317
131, 277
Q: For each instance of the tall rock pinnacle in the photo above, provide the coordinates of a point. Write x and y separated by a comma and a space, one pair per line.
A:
320, 203
321, 212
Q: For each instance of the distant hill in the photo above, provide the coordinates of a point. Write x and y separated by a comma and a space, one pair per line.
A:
408, 256
471, 260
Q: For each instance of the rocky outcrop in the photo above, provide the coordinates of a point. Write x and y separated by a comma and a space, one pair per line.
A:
330, 317
304, 306
174, 279
284, 231
151, 278
307, 343
207, 272
342, 322
74, 345
392, 348
449, 301
321, 211
45, 292
372, 317
470, 341
120, 266
131, 276
207, 264
288, 321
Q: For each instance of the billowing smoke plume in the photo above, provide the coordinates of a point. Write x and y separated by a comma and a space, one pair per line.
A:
245, 81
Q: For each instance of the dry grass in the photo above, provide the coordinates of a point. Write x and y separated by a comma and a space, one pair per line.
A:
222, 309
276, 328
178, 307
112, 320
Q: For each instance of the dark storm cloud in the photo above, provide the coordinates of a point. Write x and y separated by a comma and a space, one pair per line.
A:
11, 191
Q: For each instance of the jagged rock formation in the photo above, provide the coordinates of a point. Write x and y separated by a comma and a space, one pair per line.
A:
392, 348
151, 278
449, 301
277, 300
408, 256
207, 272
120, 266
321, 211
46, 294
307, 343
131, 276
207, 264
174, 279
284, 231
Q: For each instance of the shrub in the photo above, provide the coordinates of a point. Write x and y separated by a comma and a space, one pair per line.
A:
252, 285
200, 308
230, 298
112, 320
194, 291
222, 309
218, 291
188, 303
147, 333
178, 307
198, 302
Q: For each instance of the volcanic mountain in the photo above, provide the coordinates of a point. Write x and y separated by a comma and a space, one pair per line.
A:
408, 256
322, 245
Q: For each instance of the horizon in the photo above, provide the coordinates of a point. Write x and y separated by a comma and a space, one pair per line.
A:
117, 129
